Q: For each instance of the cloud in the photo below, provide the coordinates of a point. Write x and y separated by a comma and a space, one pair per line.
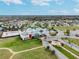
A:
8, 2
76, 7
40, 2
76, 11
76, 3
34, 2
46, 2
59, 2
59, 12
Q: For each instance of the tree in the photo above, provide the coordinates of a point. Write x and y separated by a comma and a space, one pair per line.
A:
45, 25
48, 47
53, 52
67, 32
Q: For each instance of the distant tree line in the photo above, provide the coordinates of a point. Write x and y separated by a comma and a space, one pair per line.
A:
40, 18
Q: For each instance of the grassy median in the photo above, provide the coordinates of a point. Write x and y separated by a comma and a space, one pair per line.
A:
72, 40
70, 56
71, 49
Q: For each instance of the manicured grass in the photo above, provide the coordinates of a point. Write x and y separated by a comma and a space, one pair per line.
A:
71, 49
75, 41
5, 54
70, 56
63, 28
16, 44
35, 54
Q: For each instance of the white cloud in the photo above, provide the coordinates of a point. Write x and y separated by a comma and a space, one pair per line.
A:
34, 2
76, 11
76, 7
59, 2
64, 12
8, 2
77, 1
46, 2
41, 2
59, 12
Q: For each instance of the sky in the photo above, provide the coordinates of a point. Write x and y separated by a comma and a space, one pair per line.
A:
39, 7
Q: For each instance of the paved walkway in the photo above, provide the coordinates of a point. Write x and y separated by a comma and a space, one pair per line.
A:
58, 37
8, 49
58, 53
75, 47
28, 50
14, 53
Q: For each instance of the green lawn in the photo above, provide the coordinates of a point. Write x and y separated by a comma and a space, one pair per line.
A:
70, 56
16, 44
71, 49
5, 54
35, 54
72, 40
63, 28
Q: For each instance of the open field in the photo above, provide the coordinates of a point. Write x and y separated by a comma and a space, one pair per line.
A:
35, 54
72, 40
71, 49
16, 44
4, 54
63, 28
70, 56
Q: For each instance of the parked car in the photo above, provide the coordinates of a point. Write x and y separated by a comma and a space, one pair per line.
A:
77, 35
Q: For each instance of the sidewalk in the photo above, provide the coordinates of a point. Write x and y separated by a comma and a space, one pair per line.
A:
58, 53
72, 45
71, 53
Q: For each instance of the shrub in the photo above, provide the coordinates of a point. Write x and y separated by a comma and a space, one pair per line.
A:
53, 33
67, 32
